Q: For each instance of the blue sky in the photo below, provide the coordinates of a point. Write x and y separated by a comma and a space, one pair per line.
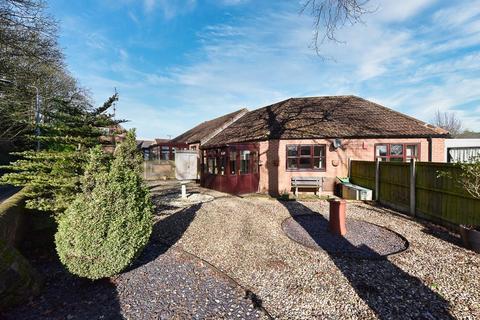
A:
176, 63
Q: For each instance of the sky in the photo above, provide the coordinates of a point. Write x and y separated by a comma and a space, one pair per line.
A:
177, 63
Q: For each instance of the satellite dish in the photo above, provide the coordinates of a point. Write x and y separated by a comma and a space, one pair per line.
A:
337, 143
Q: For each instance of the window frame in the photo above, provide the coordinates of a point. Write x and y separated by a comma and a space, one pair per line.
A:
404, 157
311, 157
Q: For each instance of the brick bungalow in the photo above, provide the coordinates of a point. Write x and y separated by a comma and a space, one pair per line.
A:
261, 150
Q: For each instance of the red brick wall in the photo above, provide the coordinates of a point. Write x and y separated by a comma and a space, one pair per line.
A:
274, 177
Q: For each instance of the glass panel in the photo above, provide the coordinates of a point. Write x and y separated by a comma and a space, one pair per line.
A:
318, 151
318, 163
305, 151
165, 155
210, 165
291, 151
412, 151
233, 162
244, 161
305, 163
292, 163
396, 150
215, 165
396, 159
381, 150
223, 164
254, 162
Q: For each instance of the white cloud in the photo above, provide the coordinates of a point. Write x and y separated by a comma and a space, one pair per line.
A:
395, 11
169, 8
257, 60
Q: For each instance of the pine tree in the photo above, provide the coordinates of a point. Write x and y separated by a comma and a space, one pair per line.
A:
52, 175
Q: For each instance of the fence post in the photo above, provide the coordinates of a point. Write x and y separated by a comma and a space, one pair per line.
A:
377, 179
350, 168
412, 187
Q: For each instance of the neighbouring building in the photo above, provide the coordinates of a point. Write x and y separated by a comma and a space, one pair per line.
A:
144, 147
164, 149
262, 150
461, 150
202, 133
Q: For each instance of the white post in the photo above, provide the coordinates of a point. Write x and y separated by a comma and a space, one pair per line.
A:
412, 187
377, 179
184, 191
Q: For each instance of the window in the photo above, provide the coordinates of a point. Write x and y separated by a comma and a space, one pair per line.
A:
397, 152
254, 162
292, 157
165, 153
212, 162
211, 165
205, 163
306, 157
222, 163
193, 148
411, 152
233, 163
245, 161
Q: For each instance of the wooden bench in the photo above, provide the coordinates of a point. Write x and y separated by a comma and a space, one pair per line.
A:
307, 182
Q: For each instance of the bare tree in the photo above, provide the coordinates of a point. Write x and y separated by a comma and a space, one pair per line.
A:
448, 121
332, 15
29, 57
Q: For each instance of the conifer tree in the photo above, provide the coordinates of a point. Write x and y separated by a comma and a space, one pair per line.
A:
110, 222
52, 175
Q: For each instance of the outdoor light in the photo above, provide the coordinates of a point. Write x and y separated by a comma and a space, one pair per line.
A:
337, 143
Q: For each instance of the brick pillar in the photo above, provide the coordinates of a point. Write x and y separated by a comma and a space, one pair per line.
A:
336, 222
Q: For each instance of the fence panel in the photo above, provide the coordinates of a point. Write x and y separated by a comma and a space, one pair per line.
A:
158, 169
442, 198
395, 184
362, 173
437, 198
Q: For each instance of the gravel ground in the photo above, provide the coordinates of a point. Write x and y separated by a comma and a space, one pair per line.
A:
163, 284
433, 279
363, 240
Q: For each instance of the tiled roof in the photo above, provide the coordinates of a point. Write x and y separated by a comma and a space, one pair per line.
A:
207, 129
324, 117
144, 143
161, 141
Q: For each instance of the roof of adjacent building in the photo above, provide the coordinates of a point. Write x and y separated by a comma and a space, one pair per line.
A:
324, 117
161, 141
206, 130
143, 144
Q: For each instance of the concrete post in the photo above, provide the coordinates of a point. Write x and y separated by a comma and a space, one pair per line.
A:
412, 187
184, 191
377, 179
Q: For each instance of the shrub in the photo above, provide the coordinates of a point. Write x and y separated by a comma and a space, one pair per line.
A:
109, 223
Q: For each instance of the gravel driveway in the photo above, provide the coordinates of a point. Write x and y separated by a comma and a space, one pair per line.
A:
433, 279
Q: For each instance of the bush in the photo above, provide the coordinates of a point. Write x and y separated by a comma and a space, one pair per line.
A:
110, 222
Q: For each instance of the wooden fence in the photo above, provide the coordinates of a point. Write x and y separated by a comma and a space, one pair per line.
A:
418, 188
